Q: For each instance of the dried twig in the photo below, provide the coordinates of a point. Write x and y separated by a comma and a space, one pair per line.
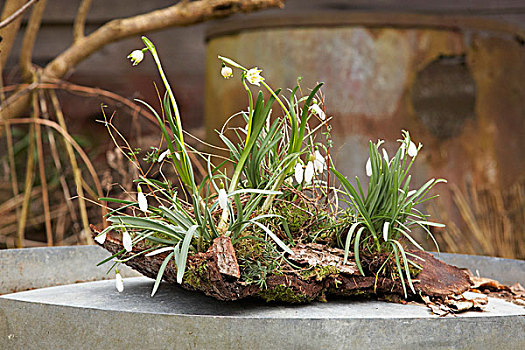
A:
181, 14
42, 173
80, 20
26, 52
17, 13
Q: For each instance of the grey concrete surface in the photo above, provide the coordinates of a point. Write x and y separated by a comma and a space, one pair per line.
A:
94, 315
23, 269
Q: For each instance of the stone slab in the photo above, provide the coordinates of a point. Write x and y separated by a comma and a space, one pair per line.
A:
22, 269
94, 315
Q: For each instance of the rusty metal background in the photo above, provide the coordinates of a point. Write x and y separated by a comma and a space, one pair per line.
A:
456, 84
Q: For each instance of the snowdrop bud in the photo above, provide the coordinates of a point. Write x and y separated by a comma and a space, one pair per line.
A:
253, 76
223, 199
319, 162
119, 282
412, 149
136, 57
317, 110
101, 238
299, 172
309, 172
385, 155
126, 241
368, 168
226, 72
163, 155
143, 202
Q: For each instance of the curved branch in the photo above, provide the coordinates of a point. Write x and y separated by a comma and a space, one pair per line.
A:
17, 13
80, 20
181, 14
26, 53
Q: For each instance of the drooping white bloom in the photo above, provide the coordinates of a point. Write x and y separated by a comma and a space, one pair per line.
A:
223, 199
226, 72
317, 110
309, 172
319, 162
136, 57
368, 168
385, 155
163, 155
412, 149
299, 172
101, 238
143, 202
253, 76
126, 241
119, 282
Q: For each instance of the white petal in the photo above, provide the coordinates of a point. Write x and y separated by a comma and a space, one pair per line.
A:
158, 251
386, 227
385, 155
309, 172
119, 282
223, 199
126, 241
319, 162
299, 172
101, 238
368, 167
317, 110
163, 155
412, 149
402, 147
226, 72
143, 202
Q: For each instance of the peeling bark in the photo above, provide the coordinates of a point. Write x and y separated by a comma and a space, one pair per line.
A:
216, 274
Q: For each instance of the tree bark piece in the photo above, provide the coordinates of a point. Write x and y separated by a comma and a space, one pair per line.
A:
216, 274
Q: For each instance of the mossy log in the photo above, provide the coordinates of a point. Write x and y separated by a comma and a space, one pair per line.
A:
216, 274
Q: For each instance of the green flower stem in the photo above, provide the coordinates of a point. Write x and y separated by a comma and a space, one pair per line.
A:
250, 109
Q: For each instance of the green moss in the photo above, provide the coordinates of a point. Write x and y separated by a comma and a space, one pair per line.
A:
319, 272
284, 294
195, 276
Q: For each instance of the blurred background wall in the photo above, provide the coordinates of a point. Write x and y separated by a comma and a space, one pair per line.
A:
451, 72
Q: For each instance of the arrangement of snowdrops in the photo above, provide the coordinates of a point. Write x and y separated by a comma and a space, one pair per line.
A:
277, 187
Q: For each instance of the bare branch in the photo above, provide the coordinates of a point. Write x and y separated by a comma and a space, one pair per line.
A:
8, 33
181, 14
26, 53
80, 20
17, 13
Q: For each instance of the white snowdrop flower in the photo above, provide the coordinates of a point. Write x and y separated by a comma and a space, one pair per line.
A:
309, 172
253, 76
317, 110
223, 199
163, 155
101, 238
299, 172
136, 57
412, 149
126, 241
368, 168
319, 162
119, 282
143, 201
385, 155
226, 72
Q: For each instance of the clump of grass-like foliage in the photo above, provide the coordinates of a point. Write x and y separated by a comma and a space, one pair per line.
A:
272, 191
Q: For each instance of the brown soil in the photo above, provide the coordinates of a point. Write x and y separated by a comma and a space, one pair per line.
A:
216, 273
